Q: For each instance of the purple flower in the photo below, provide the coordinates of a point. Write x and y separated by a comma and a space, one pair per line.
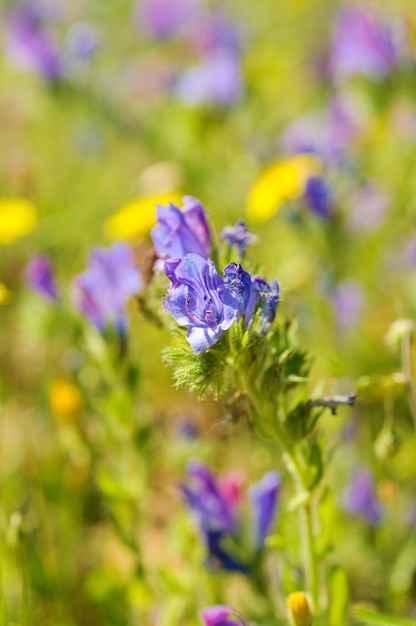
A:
220, 615
238, 281
81, 41
265, 295
359, 497
264, 496
361, 44
163, 18
318, 196
29, 45
215, 80
238, 236
218, 558
348, 304
213, 31
102, 291
40, 278
368, 208
205, 499
199, 299
180, 232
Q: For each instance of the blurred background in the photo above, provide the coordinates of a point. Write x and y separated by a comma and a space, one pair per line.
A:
296, 116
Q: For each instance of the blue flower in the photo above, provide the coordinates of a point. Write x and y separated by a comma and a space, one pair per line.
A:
180, 232
205, 499
238, 281
102, 291
264, 497
238, 236
199, 299
40, 278
265, 295
318, 196
360, 499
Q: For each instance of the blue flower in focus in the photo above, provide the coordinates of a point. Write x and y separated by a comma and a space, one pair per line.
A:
361, 44
102, 291
199, 299
180, 232
318, 196
264, 497
238, 236
40, 278
265, 295
359, 497
221, 615
29, 45
238, 281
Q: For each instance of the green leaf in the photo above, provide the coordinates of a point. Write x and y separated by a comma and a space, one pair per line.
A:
378, 619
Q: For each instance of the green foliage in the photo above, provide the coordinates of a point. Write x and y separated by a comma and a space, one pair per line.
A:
377, 619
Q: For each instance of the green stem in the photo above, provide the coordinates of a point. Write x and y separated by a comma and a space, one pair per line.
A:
293, 459
407, 371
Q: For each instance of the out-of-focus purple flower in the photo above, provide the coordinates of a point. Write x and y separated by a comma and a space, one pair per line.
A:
40, 278
164, 18
361, 43
238, 236
264, 496
238, 281
221, 615
213, 31
81, 41
348, 303
231, 484
359, 497
199, 299
29, 45
367, 208
318, 196
325, 133
206, 500
180, 232
102, 291
409, 253
215, 80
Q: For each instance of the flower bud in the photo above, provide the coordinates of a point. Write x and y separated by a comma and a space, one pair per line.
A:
299, 609
387, 443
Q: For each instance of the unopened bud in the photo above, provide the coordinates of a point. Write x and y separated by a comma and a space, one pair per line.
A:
387, 444
298, 609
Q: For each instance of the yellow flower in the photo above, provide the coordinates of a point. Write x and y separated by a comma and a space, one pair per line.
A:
17, 218
137, 218
65, 399
5, 294
279, 182
299, 610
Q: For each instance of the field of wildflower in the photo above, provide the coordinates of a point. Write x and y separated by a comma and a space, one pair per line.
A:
207, 313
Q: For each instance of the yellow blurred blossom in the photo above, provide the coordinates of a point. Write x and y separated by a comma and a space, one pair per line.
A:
298, 609
65, 399
137, 218
5, 294
17, 218
279, 182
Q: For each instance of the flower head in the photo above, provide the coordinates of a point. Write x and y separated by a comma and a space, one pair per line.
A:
318, 196
199, 299
238, 236
264, 496
299, 609
40, 278
361, 43
221, 615
238, 281
102, 291
265, 295
181, 231
216, 79
28, 44
360, 498
163, 18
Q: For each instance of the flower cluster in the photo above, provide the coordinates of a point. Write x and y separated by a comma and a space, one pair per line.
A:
215, 503
199, 297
